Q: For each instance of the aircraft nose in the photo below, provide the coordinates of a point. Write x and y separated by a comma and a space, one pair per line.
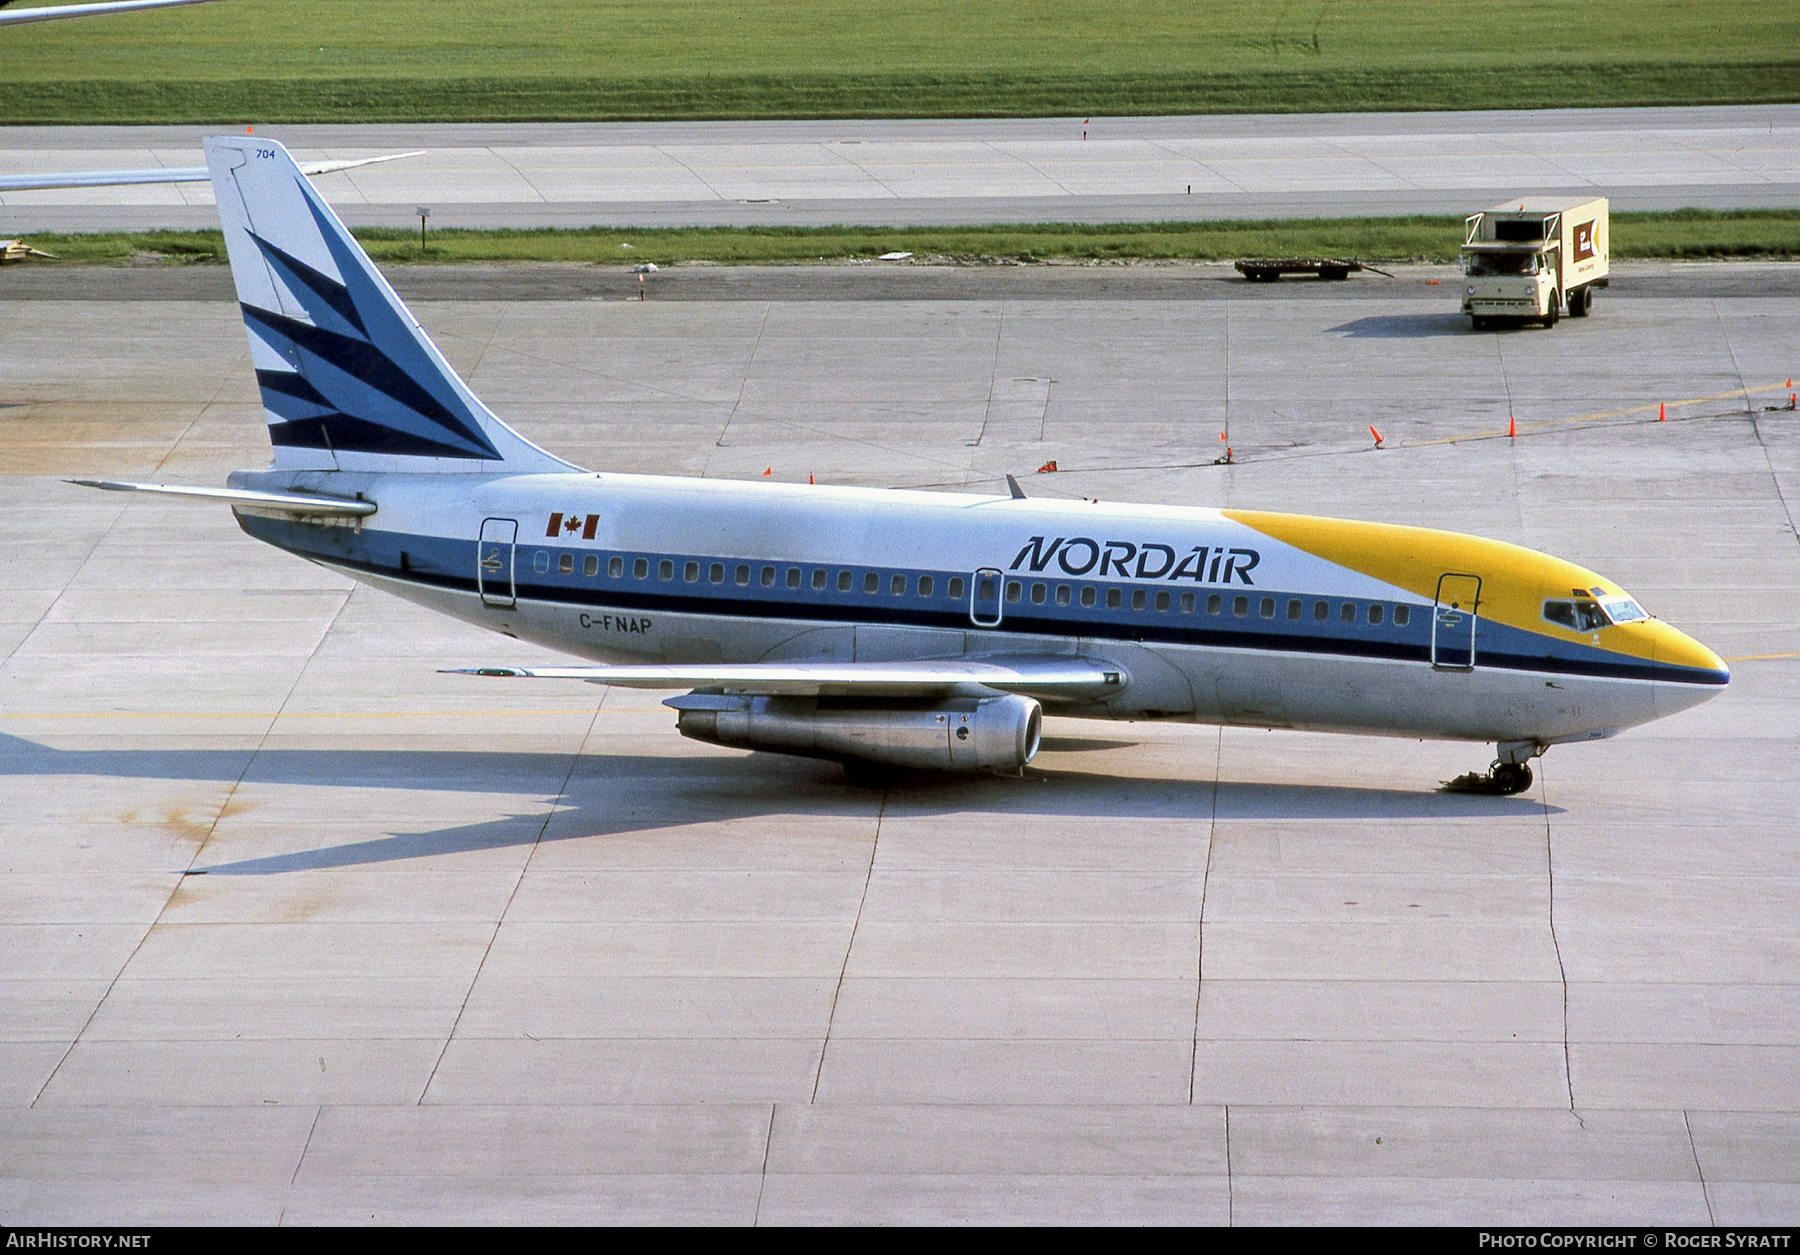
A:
1688, 673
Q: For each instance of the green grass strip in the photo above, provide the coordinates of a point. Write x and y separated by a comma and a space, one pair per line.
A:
1687, 233
700, 97
266, 61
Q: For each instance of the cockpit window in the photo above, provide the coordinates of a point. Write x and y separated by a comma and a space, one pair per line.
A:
1579, 616
1623, 610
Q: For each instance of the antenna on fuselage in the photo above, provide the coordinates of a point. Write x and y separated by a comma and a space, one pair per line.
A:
1012, 485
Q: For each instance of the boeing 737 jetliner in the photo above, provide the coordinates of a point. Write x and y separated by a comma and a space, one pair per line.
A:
887, 628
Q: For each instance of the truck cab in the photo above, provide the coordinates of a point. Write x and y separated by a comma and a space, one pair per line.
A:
1512, 281
1525, 260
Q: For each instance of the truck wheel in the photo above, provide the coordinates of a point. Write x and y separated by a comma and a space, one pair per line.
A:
1478, 322
1555, 311
1579, 300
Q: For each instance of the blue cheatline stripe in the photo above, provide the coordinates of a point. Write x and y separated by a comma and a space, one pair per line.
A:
439, 562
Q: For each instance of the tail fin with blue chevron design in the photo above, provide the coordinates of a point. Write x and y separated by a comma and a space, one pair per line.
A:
349, 379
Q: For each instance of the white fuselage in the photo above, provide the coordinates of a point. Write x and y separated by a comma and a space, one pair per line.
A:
1213, 621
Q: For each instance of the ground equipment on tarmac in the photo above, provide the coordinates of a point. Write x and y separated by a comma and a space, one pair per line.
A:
1524, 260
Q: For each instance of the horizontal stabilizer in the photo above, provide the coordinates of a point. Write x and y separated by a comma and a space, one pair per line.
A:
1052, 678
18, 17
281, 502
164, 174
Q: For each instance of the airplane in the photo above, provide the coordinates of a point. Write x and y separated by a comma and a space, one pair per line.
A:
889, 629
51, 13
53, 179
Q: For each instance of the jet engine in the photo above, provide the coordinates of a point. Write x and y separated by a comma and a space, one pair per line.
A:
967, 734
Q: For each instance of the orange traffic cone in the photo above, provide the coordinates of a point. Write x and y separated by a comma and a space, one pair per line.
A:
1662, 415
1378, 436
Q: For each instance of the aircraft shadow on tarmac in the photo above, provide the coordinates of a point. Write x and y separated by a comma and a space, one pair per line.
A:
619, 794
1403, 327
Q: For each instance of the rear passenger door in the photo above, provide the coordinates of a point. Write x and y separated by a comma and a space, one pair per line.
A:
494, 562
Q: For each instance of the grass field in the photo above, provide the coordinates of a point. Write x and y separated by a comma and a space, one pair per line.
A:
1688, 233
373, 60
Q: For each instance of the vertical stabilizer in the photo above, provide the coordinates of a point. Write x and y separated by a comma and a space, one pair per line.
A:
349, 379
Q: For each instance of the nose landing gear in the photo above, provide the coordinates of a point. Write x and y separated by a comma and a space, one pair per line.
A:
1510, 774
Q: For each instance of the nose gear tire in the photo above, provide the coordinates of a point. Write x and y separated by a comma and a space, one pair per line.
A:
1500, 780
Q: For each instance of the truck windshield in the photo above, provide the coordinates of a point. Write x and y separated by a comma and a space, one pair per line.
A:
1485, 265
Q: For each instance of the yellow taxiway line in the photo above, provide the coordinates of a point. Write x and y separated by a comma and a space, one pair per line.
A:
1549, 424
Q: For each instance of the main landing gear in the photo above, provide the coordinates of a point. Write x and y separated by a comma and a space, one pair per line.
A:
1510, 774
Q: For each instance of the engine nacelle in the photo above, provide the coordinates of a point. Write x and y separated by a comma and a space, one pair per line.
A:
967, 734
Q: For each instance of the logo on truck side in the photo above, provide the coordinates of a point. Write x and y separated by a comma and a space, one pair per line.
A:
1584, 241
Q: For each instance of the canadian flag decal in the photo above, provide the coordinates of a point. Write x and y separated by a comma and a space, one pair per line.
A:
570, 524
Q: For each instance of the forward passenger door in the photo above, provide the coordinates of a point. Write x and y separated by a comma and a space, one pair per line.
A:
1453, 622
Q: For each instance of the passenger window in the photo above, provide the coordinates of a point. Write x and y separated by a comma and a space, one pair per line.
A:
1214, 603
1267, 609
1348, 612
793, 577
768, 577
665, 570
1162, 601
691, 572
717, 573
818, 578
1375, 613
1013, 590
1137, 599
1087, 595
897, 586
615, 567
566, 563
844, 578
925, 585
1037, 594
591, 564
871, 582
640, 568
1321, 610
1294, 608
1240, 606
955, 591
1187, 603
1062, 594
541, 561
1112, 599
1401, 616
743, 573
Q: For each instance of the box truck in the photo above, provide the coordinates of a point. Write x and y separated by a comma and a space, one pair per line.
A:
1524, 260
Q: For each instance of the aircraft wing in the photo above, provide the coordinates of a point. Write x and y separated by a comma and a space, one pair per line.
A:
162, 174
18, 17
1051, 677
281, 502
